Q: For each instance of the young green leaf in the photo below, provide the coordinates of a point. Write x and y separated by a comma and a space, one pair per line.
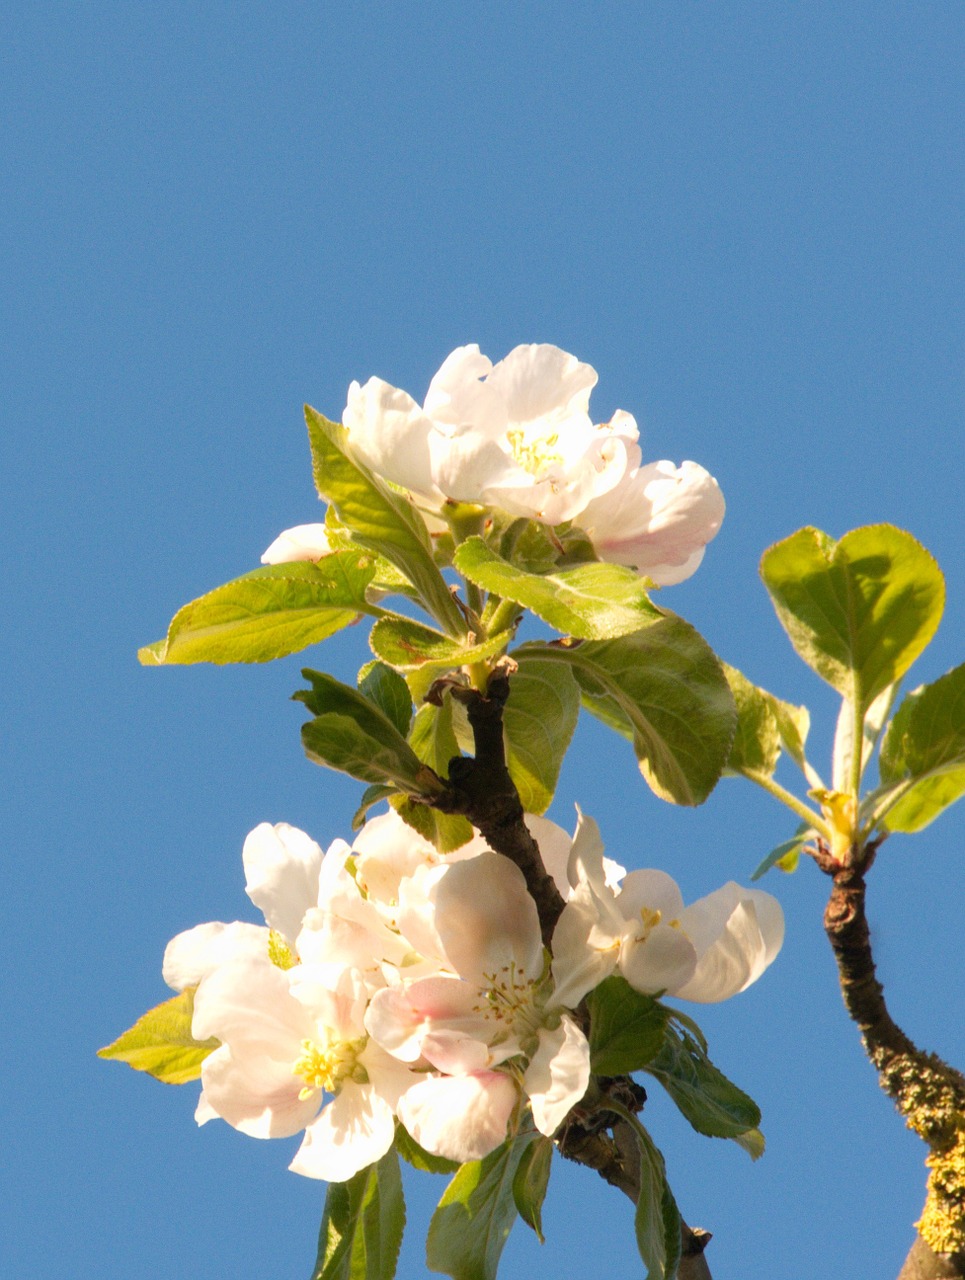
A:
434, 742
274, 611
757, 742
362, 1226
475, 1215
666, 683
378, 518
425, 654
787, 854
530, 1183
590, 601
418, 1157
923, 755
657, 1218
858, 611
389, 692
627, 1028
353, 735
161, 1043
539, 719
712, 1103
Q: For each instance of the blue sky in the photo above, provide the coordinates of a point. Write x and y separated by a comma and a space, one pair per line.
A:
747, 217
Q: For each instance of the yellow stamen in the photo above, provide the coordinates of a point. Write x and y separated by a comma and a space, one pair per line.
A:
325, 1067
534, 456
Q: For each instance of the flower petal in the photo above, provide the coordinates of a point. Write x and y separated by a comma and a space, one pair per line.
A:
737, 932
353, 1131
282, 866
460, 1117
557, 1076
192, 955
302, 542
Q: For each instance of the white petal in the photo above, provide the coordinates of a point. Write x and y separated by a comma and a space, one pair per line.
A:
194, 954
737, 932
302, 542
664, 959
400, 1018
390, 433
557, 1077
580, 964
459, 1117
282, 866
354, 1130
249, 1004
257, 1095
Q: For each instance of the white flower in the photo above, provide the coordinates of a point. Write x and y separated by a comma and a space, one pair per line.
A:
489, 1007
706, 952
516, 435
303, 542
288, 1039
658, 519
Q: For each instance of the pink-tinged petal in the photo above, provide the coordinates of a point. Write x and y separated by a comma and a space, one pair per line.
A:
658, 519
390, 434
302, 542
557, 1076
194, 954
353, 1131
282, 866
660, 958
738, 932
460, 1117
256, 1094
399, 1018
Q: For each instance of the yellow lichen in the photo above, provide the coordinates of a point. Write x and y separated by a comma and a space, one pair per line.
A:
942, 1224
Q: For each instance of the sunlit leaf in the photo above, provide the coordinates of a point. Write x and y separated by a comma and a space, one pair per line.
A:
858, 611
923, 754
390, 693
276, 610
161, 1043
666, 684
378, 517
590, 601
531, 1182
475, 1215
539, 719
434, 742
363, 1223
627, 1028
657, 1218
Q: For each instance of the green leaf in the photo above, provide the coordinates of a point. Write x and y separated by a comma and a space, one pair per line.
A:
378, 518
390, 693
712, 1103
657, 1219
923, 754
757, 742
417, 1156
858, 611
372, 795
434, 742
161, 1043
475, 1215
426, 654
666, 684
361, 1232
274, 611
530, 1183
627, 1028
787, 854
590, 601
539, 719
351, 734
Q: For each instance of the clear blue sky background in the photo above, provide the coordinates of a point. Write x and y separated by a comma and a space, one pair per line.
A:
747, 217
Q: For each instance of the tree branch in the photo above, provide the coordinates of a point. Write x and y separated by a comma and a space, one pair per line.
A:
926, 1091
480, 788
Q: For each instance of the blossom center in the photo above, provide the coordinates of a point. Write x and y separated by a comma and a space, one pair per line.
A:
325, 1066
534, 454
510, 999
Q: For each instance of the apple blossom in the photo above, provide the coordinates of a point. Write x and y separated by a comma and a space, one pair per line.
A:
516, 435
706, 952
302, 542
657, 520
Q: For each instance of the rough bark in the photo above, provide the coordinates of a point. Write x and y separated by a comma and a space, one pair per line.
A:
928, 1093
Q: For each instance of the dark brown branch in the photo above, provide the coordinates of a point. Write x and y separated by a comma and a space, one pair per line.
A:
480, 788
927, 1091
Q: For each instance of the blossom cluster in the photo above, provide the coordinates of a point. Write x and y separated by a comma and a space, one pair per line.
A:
517, 437
393, 983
